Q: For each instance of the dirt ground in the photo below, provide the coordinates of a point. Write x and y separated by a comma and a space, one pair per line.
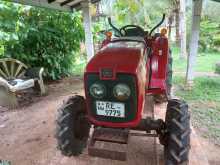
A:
27, 135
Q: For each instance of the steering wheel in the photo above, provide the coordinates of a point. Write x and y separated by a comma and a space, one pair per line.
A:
136, 29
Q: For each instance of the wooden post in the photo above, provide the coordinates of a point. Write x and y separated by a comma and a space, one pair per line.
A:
194, 40
88, 30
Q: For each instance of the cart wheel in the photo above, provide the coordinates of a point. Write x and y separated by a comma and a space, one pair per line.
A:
72, 126
177, 142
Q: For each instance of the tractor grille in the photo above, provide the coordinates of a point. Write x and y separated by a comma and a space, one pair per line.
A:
130, 104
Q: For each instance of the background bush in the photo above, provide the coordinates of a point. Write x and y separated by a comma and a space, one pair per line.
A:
210, 27
210, 35
41, 37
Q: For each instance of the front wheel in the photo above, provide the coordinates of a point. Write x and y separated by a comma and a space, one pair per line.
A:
177, 141
72, 126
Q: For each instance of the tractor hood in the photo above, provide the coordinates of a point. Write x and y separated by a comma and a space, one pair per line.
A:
120, 56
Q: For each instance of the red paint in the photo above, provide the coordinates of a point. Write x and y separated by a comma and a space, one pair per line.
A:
105, 42
159, 62
130, 58
123, 59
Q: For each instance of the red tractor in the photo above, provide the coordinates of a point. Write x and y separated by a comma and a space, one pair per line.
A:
120, 82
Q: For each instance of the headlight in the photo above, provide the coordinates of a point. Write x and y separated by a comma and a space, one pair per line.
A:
122, 92
97, 90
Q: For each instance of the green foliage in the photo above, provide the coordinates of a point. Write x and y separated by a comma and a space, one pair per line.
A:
140, 12
41, 37
210, 27
210, 35
1, 49
79, 67
148, 13
98, 32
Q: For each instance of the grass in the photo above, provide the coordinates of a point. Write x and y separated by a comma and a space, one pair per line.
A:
204, 101
205, 61
204, 97
204, 89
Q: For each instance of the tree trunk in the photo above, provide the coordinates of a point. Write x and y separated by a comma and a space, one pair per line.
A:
182, 28
177, 27
194, 40
170, 23
177, 19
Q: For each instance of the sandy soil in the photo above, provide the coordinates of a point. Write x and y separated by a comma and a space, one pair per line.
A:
27, 135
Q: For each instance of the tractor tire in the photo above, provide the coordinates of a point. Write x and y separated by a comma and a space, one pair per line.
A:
177, 138
72, 126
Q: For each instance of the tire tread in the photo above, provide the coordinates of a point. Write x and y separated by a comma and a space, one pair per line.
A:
178, 133
69, 142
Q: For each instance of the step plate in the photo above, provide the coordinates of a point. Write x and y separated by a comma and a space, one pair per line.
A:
111, 135
117, 136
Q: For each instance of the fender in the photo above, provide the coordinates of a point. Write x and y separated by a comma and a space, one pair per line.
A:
159, 60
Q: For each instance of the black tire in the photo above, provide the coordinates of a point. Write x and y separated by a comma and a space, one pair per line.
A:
177, 139
72, 126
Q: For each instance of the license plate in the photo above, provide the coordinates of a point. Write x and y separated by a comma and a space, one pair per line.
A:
113, 109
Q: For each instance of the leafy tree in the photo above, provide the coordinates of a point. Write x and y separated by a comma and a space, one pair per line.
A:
210, 27
1, 48
140, 12
42, 37
210, 35
8, 24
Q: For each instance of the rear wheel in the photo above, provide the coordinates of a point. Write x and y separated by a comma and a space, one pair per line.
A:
177, 138
72, 130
